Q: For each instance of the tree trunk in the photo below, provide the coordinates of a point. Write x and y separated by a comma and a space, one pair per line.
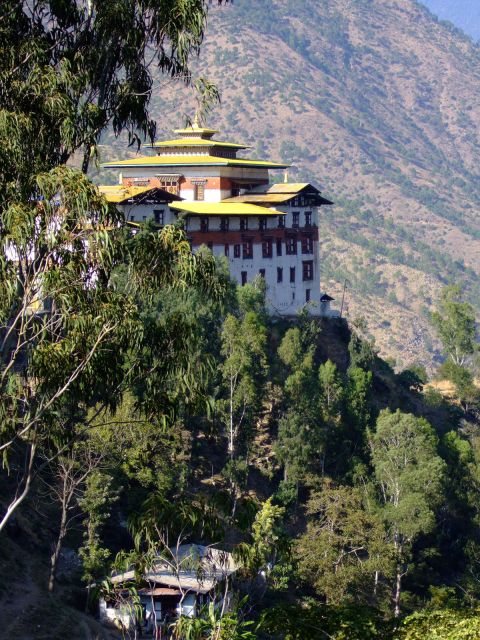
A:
58, 547
398, 591
230, 439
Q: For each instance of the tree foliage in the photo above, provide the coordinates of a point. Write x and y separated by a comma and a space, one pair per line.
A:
455, 324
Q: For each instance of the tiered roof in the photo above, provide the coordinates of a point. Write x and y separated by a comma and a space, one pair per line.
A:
192, 160
196, 146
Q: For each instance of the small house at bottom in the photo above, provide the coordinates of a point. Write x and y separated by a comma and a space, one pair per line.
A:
180, 582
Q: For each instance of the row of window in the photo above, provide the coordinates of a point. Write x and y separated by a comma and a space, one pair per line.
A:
246, 248
307, 273
262, 223
159, 216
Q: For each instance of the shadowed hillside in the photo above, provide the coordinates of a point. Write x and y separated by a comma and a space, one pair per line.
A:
376, 102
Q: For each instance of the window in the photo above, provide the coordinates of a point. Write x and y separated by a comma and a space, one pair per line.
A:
307, 244
292, 274
224, 224
307, 295
204, 225
279, 247
262, 273
132, 218
199, 191
308, 218
308, 270
295, 219
281, 222
139, 182
244, 278
236, 250
144, 218
279, 274
210, 245
243, 224
247, 250
291, 245
267, 249
159, 215
262, 224
227, 250
170, 184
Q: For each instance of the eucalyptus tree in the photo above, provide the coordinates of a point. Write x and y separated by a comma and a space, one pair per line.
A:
68, 335
455, 323
344, 550
70, 69
243, 371
409, 475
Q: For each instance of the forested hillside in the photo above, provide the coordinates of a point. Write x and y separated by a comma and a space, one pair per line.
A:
148, 403
375, 102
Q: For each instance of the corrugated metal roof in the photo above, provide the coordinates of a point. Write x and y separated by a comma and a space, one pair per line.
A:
197, 568
193, 160
224, 208
160, 591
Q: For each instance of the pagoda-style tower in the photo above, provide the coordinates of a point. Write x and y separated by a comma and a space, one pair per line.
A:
228, 204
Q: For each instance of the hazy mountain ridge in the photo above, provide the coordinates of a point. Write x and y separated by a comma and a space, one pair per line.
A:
375, 101
464, 14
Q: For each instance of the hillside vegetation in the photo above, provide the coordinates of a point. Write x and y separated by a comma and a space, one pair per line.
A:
376, 102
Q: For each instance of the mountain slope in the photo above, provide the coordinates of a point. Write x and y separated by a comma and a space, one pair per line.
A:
376, 102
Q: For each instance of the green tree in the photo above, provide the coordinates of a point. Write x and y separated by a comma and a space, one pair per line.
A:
357, 413
444, 623
409, 475
455, 324
466, 390
67, 71
243, 374
95, 503
297, 445
344, 549
299, 438
267, 540
330, 398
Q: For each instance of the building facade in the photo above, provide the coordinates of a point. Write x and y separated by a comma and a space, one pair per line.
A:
228, 204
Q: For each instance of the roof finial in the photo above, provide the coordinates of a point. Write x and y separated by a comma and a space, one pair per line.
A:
285, 177
196, 120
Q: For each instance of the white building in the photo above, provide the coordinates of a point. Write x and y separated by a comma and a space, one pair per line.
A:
228, 204
180, 582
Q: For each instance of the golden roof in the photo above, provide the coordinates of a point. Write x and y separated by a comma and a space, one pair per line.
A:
266, 198
193, 160
196, 129
288, 187
224, 209
118, 193
200, 142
